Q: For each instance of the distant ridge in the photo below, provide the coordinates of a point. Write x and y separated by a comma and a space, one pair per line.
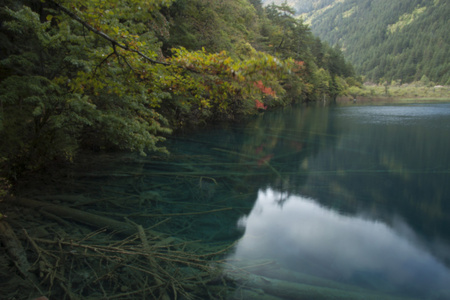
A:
385, 40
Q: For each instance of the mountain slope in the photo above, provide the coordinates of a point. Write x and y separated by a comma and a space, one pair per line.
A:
384, 39
304, 6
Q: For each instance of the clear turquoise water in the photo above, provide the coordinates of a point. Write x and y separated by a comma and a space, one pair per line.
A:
356, 195
365, 199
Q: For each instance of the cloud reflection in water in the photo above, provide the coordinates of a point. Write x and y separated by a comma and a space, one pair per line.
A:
303, 236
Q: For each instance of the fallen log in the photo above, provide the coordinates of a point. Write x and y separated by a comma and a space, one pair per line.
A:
14, 248
77, 215
17, 254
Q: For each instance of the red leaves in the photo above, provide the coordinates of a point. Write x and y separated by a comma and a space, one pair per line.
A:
264, 89
260, 105
298, 66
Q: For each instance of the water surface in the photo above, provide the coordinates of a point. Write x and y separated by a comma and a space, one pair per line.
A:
356, 196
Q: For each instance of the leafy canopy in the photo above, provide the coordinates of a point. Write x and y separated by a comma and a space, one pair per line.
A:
99, 74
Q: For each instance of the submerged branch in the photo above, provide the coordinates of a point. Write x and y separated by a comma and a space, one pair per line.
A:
284, 289
181, 214
77, 215
17, 254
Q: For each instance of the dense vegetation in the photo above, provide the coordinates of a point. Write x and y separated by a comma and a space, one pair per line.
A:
303, 6
123, 74
385, 40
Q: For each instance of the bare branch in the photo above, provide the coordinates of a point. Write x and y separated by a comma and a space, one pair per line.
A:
103, 61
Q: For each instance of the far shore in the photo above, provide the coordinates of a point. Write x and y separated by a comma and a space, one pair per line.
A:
415, 92
387, 99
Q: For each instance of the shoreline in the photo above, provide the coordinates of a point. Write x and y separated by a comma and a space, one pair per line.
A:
388, 100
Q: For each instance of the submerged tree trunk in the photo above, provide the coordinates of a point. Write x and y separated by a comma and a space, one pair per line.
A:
17, 254
78, 216
14, 248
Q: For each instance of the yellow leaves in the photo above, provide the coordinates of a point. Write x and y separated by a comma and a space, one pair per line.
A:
228, 61
218, 80
205, 103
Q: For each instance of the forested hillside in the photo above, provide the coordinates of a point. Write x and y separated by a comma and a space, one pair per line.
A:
400, 41
103, 75
388, 40
303, 6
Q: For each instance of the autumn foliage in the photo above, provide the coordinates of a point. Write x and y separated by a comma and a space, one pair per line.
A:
264, 89
298, 66
260, 105
123, 74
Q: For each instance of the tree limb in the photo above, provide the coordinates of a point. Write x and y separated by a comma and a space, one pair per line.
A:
104, 35
103, 61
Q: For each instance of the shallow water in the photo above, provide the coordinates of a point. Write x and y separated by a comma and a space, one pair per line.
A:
357, 195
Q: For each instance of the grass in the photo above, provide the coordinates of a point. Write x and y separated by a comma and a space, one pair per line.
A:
416, 91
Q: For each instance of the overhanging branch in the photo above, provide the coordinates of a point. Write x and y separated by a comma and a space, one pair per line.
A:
104, 35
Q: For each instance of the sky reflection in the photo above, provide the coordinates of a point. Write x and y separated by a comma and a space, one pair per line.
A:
303, 236
402, 115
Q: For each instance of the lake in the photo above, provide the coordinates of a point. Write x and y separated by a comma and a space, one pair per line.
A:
341, 199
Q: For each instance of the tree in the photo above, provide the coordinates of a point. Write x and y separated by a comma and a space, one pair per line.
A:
67, 87
369, 30
92, 74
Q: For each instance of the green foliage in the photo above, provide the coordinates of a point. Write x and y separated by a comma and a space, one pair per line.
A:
219, 87
5, 185
395, 40
416, 90
215, 25
287, 36
425, 81
67, 88
120, 74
